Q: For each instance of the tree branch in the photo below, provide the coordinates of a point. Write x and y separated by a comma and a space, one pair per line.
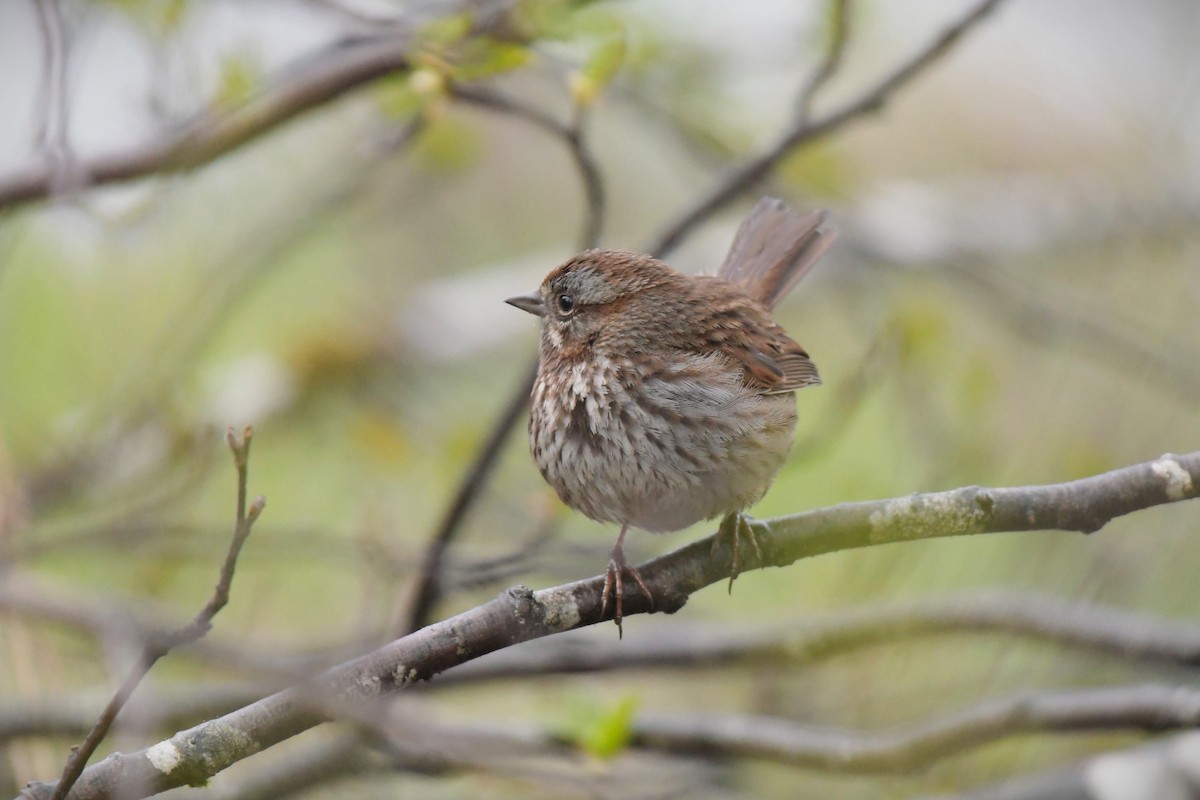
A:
521, 615
839, 34
428, 586
802, 132
571, 135
1147, 708
209, 136
1120, 633
146, 714
53, 136
158, 647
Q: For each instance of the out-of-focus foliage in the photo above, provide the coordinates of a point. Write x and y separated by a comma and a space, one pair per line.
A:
600, 731
238, 83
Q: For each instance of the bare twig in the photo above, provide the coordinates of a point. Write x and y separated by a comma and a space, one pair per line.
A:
1146, 708
521, 615
146, 714
412, 740
314, 81
1044, 216
53, 141
405, 740
1120, 633
801, 132
1035, 315
134, 626
244, 264
593, 184
572, 135
839, 34
200, 625
342, 68
428, 587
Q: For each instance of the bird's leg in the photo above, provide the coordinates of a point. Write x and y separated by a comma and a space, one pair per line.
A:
614, 582
734, 528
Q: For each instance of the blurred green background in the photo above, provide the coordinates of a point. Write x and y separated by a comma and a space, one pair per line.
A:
1015, 299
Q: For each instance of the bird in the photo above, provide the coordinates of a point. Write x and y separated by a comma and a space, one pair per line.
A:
664, 398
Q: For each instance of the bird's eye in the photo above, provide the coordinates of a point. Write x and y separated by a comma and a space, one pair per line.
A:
566, 304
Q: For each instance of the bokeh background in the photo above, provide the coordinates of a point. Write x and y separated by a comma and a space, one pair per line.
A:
1014, 299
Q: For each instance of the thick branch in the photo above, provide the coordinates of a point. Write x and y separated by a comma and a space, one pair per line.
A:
1107, 630
521, 614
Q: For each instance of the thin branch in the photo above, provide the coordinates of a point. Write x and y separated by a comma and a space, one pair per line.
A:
438, 747
1120, 633
839, 34
593, 183
521, 615
340, 69
534, 551
411, 739
1039, 316
402, 738
428, 588
801, 132
572, 135
1146, 708
148, 713
1048, 217
200, 625
314, 81
52, 136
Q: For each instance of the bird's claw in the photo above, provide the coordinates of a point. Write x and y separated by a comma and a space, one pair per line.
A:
614, 586
734, 528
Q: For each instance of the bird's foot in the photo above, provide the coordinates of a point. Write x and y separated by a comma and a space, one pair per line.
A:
614, 584
735, 528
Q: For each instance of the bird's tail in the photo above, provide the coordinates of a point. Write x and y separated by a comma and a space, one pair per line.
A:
774, 248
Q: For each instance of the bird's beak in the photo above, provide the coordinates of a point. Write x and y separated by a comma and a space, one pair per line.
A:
531, 302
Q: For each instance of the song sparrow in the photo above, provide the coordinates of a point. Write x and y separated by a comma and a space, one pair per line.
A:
663, 399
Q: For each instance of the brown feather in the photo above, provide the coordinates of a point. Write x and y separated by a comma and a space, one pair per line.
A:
771, 360
774, 248
798, 371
